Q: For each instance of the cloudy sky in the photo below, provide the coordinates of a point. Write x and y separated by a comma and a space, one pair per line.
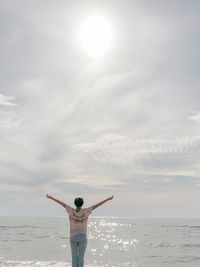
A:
126, 123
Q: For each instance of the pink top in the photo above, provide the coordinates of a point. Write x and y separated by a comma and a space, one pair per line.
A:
78, 220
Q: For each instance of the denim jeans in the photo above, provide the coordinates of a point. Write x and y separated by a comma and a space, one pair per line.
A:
78, 246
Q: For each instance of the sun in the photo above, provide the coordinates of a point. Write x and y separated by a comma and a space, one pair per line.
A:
96, 35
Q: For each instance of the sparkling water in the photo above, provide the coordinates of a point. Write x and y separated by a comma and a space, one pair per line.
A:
34, 242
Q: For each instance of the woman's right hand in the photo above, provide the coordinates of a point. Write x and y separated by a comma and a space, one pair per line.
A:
110, 198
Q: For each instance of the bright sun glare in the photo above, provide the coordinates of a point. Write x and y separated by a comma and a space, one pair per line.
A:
96, 35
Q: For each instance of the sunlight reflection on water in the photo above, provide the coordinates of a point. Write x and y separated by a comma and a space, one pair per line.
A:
112, 240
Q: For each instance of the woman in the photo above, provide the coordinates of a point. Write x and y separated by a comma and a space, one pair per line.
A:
78, 219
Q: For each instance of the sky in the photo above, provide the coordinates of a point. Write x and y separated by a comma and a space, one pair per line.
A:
126, 123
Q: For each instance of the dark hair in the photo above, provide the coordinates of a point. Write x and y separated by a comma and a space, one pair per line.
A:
78, 202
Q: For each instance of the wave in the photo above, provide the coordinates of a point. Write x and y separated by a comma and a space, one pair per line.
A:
17, 227
192, 245
52, 264
34, 264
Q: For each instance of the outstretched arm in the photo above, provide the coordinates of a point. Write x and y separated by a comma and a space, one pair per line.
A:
58, 201
102, 202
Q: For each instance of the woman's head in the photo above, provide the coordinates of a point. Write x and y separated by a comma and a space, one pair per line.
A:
78, 202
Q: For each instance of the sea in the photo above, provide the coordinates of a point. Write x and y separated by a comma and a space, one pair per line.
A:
135, 242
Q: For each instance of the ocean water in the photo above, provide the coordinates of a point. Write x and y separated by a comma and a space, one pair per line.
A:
34, 242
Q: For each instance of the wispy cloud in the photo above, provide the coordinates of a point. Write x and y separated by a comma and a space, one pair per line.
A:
195, 116
7, 100
145, 154
8, 120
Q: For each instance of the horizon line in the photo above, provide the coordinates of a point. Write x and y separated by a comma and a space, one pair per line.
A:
111, 217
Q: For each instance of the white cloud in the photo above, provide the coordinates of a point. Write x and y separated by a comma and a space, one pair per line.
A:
93, 182
7, 100
145, 154
9, 121
195, 116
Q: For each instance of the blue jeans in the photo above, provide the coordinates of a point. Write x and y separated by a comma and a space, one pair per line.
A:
78, 246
